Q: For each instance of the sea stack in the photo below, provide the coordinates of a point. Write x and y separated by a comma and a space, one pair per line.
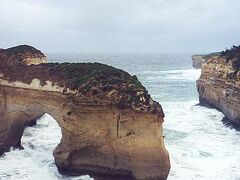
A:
219, 84
111, 127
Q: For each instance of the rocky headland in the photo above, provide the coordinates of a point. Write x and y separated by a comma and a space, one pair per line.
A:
219, 84
111, 127
199, 59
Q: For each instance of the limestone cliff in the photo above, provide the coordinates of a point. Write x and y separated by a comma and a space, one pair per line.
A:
198, 60
111, 127
219, 84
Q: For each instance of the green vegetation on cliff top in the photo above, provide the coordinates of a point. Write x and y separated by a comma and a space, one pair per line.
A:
23, 49
95, 81
80, 73
208, 56
233, 54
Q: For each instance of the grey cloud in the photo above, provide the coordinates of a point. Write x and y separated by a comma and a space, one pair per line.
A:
121, 25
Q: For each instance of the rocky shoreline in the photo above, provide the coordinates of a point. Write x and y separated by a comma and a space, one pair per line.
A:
111, 127
219, 84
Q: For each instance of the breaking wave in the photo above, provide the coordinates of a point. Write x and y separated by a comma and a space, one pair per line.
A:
177, 75
200, 146
36, 160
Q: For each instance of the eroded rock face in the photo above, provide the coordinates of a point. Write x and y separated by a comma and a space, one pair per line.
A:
197, 61
219, 86
200, 59
111, 127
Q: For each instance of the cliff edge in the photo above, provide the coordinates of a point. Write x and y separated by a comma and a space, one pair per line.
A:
219, 83
199, 59
111, 127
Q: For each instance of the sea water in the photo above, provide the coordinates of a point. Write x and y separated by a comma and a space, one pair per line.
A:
201, 147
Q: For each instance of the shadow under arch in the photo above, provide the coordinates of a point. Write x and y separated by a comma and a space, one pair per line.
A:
18, 121
38, 141
20, 107
43, 138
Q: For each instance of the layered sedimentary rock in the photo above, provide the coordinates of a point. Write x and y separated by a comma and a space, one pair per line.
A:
111, 127
219, 84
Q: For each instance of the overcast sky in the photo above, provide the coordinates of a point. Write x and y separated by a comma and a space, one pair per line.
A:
152, 26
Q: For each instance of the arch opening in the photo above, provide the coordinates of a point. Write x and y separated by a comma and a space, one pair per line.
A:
39, 142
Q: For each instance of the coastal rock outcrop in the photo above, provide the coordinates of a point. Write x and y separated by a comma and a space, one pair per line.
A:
198, 60
111, 127
24, 54
219, 84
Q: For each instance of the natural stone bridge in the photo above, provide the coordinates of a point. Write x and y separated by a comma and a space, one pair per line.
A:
111, 128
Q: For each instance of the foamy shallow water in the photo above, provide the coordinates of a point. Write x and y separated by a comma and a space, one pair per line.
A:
36, 160
171, 75
200, 146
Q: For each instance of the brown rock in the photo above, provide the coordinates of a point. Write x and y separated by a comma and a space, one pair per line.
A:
197, 61
25, 54
200, 59
98, 137
218, 87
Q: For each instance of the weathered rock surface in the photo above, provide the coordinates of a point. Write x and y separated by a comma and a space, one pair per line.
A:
111, 127
198, 60
24, 54
219, 85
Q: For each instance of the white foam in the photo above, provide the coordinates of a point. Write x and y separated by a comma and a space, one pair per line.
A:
200, 146
36, 160
179, 75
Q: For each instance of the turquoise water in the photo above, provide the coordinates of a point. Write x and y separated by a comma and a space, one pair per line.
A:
200, 146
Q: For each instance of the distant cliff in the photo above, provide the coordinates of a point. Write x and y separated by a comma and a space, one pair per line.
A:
219, 84
111, 127
198, 60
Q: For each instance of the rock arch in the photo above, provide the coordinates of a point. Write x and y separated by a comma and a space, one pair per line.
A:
99, 140
111, 127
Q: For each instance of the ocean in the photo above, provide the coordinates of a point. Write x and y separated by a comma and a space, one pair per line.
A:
201, 147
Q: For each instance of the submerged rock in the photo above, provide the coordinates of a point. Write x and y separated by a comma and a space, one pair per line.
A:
111, 127
219, 84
